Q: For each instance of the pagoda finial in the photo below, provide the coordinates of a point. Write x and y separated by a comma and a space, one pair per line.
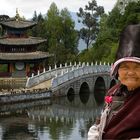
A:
17, 15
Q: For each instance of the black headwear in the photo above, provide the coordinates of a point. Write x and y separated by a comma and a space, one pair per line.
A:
129, 47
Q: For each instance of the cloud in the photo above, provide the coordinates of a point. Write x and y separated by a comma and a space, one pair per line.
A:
27, 7
107, 4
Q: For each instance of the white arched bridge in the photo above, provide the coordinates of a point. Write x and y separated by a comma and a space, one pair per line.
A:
73, 79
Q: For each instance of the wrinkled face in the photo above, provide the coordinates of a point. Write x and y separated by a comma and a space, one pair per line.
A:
129, 74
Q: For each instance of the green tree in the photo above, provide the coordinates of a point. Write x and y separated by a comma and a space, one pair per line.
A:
53, 30
3, 18
69, 35
35, 17
38, 30
58, 28
113, 22
104, 49
105, 46
61, 35
131, 14
90, 16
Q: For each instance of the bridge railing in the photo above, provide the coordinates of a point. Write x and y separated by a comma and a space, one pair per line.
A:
65, 73
77, 72
46, 75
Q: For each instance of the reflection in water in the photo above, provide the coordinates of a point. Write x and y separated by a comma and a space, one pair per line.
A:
70, 95
99, 91
84, 93
61, 120
100, 96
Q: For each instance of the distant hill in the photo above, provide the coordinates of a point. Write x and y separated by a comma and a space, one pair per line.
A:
78, 26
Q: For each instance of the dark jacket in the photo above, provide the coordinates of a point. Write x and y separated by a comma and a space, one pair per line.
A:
124, 119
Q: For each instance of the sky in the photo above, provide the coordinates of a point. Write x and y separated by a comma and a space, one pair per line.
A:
26, 8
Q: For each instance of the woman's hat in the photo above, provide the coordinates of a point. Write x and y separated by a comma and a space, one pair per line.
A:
129, 47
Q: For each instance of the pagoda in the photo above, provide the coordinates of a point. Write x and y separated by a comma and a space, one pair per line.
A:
18, 51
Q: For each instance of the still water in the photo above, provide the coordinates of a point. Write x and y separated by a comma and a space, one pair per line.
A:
65, 118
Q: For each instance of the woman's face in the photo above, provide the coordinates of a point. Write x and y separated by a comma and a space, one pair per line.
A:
129, 74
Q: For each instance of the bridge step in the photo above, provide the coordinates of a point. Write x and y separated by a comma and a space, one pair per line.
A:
45, 84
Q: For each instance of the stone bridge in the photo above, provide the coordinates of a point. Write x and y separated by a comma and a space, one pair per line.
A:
74, 79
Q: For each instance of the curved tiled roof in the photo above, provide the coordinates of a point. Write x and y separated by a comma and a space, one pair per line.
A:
25, 56
21, 41
13, 23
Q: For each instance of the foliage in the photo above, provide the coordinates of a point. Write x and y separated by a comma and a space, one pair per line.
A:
58, 28
90, 16
3, 68
69, 37
100, 32
131, 15
62, 37
3, 18
110, 26
38, 30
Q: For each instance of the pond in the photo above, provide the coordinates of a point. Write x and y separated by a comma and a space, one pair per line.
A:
63, 118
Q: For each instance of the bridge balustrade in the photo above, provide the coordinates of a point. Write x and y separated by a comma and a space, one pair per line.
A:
46, 75
63, 74
77, 72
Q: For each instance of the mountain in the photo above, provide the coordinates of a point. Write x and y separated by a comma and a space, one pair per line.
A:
78, 26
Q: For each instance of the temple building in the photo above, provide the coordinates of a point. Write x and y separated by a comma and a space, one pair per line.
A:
18, 51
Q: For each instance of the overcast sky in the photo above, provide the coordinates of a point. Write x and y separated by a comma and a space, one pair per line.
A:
26, 8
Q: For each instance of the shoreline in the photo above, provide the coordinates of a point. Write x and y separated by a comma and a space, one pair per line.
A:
29, 95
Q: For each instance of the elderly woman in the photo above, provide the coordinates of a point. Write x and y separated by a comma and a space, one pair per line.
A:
121, 116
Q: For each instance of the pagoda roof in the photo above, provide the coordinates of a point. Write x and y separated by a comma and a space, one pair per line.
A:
21, 41
25, 56
17, 24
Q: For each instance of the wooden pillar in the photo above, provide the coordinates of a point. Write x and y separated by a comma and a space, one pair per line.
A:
27, 68
11, 67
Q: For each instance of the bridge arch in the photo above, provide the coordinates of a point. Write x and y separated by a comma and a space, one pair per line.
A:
71, 94
84, 88
84, 92
99, 90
